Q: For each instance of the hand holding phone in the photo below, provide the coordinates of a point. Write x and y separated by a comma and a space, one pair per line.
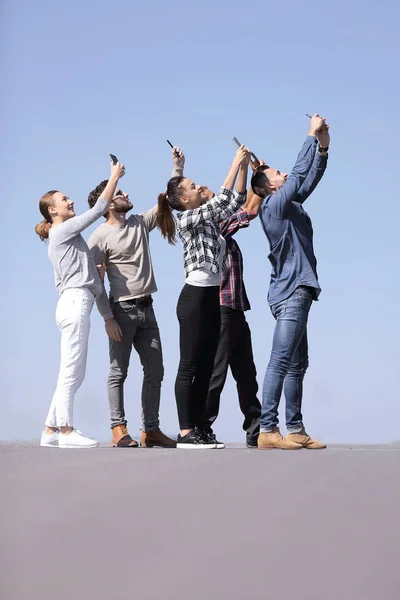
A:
172, 146
253, 158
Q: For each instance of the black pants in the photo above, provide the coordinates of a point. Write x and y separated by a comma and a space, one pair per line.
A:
199, 318
235, 351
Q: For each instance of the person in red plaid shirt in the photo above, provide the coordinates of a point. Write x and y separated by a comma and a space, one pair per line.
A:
235, 347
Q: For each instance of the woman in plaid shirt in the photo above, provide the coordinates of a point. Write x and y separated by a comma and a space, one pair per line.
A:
198, 309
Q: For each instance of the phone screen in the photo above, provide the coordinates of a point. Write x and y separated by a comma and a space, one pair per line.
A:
114, 159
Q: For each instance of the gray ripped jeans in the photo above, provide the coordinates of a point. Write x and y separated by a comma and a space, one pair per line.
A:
139, 329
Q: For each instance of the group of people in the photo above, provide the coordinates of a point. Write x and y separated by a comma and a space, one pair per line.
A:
214, 333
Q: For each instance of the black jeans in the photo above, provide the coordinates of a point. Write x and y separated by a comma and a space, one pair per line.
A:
235, 351
199, 325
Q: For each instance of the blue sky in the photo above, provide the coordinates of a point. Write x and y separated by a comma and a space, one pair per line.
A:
83, 79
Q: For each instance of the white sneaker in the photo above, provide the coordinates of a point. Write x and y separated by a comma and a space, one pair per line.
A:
75, 439
49, 439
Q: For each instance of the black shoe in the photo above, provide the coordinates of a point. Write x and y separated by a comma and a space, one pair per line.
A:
193, 441
251, 442
208, 437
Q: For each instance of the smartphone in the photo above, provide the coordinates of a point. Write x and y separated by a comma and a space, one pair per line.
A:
114, 159
238, 144
169, 143
253, 156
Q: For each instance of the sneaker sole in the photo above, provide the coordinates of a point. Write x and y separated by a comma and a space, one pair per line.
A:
48, 445
220, 446
70, 447
196, 446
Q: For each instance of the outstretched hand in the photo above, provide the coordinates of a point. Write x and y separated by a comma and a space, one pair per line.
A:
323, 136
178, 157
316, 124
117, 170
254, 165
242, 156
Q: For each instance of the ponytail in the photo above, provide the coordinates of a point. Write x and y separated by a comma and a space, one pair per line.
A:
168, 201
165, 220
43, 228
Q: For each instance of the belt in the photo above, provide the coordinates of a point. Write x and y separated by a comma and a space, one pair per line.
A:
146, 301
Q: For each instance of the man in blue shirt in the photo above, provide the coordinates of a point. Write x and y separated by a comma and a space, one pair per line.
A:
294, 284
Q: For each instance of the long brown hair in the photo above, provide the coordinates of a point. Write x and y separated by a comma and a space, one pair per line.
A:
43, 228
168, 201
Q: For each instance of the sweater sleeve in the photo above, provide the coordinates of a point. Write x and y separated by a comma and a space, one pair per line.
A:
71, 228
217, 209
279, 202
99, 256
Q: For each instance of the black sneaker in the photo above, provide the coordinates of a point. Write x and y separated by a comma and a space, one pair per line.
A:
192, 441
208, 437
251, 442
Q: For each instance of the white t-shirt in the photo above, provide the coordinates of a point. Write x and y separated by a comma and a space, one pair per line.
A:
204, 278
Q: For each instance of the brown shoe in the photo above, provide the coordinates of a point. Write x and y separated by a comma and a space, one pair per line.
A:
149, 439
121, 438
305, 440
275, 439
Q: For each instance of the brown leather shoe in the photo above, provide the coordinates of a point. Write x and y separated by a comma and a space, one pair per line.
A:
121, 438
275, 439
149, 439
305, 440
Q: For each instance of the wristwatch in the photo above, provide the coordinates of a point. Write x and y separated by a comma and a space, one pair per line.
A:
323, 149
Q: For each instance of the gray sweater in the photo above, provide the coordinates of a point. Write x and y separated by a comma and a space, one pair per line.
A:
73, 264
125, 250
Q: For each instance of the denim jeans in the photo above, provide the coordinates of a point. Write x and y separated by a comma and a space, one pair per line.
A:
139, 330
73, 320
288, 362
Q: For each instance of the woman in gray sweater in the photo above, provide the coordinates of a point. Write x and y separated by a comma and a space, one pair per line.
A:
78, 284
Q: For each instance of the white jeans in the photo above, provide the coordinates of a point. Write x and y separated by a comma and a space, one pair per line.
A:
73, 320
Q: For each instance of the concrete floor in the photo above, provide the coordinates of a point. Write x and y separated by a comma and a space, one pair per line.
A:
232, 524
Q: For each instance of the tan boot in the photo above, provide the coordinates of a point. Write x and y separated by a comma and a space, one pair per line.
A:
121, 438
305, 440
149, 439
275, 439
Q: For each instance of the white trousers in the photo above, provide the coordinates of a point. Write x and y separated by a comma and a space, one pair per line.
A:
73, 319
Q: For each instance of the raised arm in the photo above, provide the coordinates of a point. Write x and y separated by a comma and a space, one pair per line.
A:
217, 209
227, 202
76, 225
318, 167
150, 218
178, 159
279, 202
242, 217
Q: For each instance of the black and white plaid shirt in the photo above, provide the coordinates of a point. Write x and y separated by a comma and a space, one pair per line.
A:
199, 232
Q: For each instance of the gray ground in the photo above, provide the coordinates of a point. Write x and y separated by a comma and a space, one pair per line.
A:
119, 524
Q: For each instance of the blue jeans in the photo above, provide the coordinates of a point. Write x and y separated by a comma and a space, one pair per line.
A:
289, 361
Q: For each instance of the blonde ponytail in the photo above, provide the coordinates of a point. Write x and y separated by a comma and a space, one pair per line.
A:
43, 228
